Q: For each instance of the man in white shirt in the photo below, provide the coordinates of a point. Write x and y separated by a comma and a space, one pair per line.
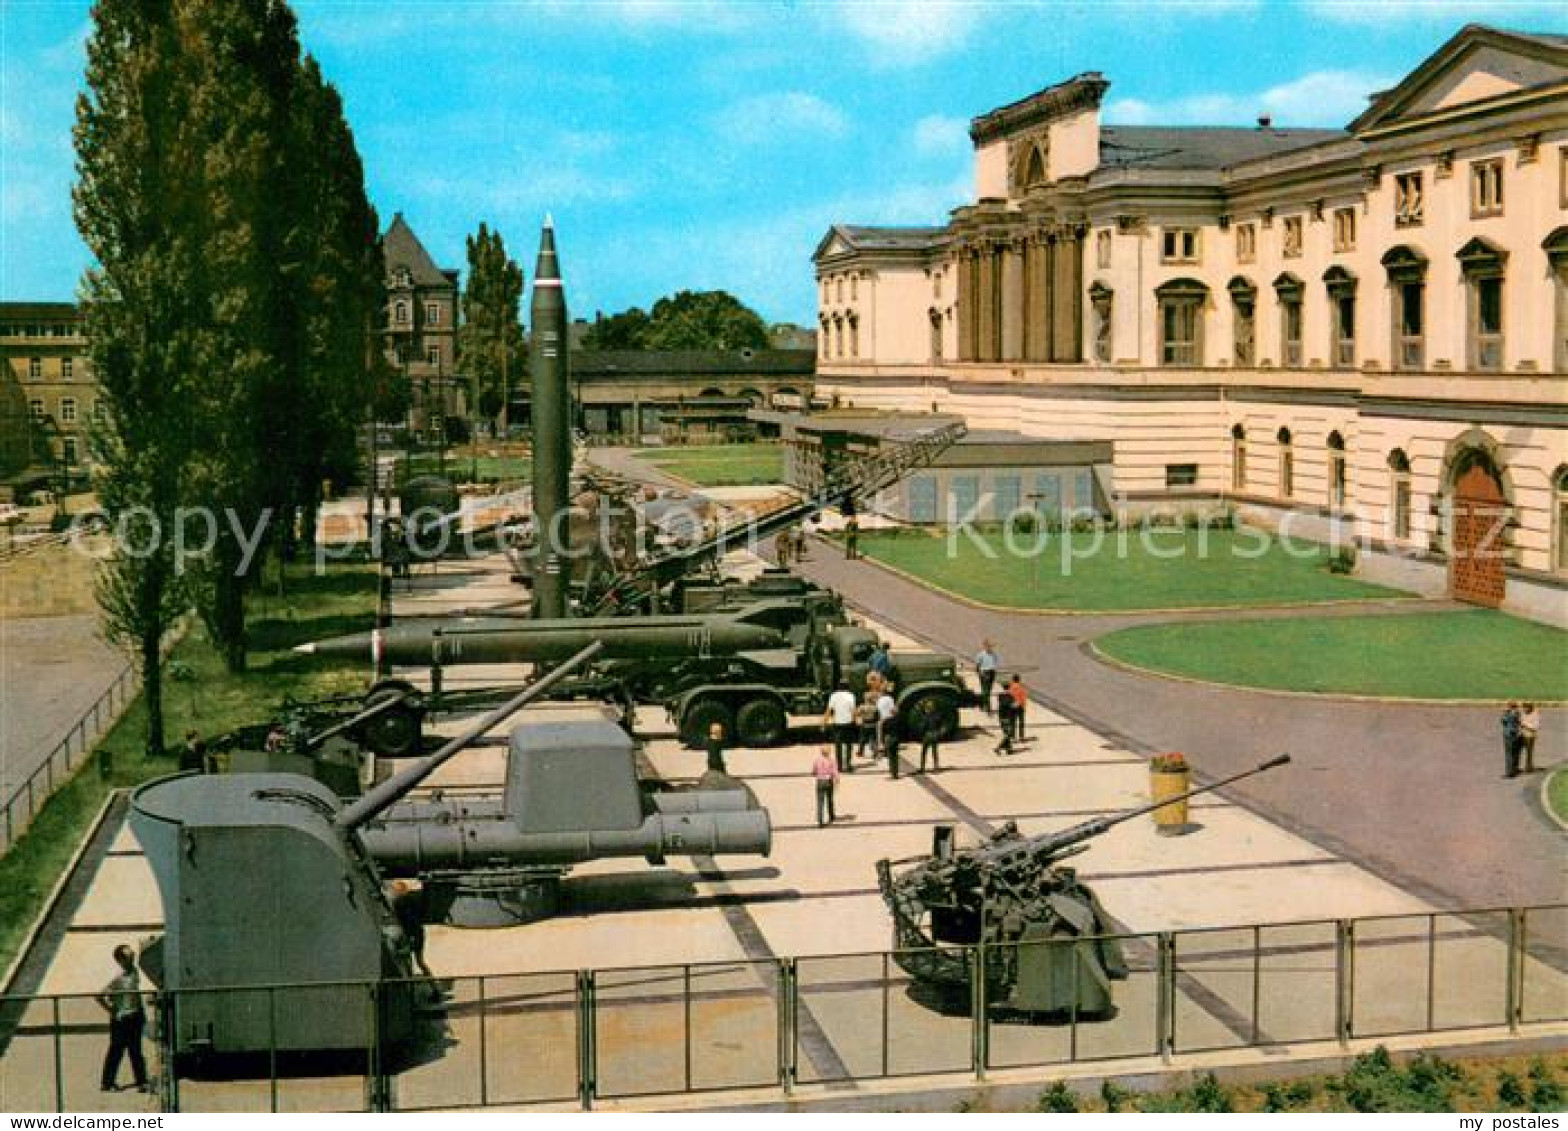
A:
986, 663
839, 719
887, 728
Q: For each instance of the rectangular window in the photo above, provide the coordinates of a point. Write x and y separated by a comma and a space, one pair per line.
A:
1179, 326
1047, 496
1181, 474
1487, 296
1291, 237
1179, 245
1401, 505
67, 368
854, 287
1290, 330
433, 355
1007, 496
1238, 463
1246, 243
922, 499
68, 410
1344, 229
69, 451
1102, 248
1287, 472
1486, 188
432, 314
1083, 491
1409, 346
1344, 308
964, 498
1409, 202
100, 413
35, 408
35, 368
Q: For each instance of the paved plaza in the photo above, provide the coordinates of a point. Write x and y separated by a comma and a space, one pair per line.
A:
704, 936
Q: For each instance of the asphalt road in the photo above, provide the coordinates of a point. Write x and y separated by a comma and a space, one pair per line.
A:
1414, 793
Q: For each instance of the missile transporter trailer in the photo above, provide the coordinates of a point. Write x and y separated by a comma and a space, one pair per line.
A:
1011, 908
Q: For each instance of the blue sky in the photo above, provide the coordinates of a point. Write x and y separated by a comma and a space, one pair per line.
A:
690, 144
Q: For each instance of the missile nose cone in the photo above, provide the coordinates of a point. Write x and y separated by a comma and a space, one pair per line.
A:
305, 649
548, 266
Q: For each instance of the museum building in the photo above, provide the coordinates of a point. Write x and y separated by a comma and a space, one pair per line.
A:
1365, 330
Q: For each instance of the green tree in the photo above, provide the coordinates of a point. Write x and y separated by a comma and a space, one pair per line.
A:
687, 320
490, 348
134, 199
624, 331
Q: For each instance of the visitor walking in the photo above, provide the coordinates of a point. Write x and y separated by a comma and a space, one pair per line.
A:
852, 538
866, 726
714, 745
1511, 735
986, 663
887, 728
122, 1000
781, 547
931, 745
881, 660
1010, 705
839, 721
825, 772
1529, 728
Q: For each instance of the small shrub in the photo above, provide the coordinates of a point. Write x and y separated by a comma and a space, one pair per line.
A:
1206, 1095
1114, 1097
1191, 520
1374, 1083
1058, 1098
1343, 561
1510, 1091
1292, 1095
1546, 1094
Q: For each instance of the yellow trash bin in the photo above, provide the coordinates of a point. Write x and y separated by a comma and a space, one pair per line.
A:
1170, 776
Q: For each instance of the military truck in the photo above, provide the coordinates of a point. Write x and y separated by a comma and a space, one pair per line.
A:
752, 694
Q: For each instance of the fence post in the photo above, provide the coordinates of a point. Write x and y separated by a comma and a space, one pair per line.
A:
1514, 997
981, 1034
587, 1084
1344, 979
59, 1060
1165, 997
686, 1022
484, 1045
788, 1004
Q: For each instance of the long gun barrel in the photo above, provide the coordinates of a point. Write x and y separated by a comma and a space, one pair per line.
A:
398, 786
1049, 844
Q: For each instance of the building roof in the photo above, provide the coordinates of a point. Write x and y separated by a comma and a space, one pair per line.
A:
608, 364
1201, 147
1081, 92
401, 248
842, 238
11, 311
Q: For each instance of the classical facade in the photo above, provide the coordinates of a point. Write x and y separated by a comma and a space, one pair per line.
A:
43, 350
672, 394
1363, 329
421, 326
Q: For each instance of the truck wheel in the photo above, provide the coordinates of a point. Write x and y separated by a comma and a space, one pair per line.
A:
761, 722
930, 713
702, 714
399, 733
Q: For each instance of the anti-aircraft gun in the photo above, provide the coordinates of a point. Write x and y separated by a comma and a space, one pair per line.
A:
1043, 934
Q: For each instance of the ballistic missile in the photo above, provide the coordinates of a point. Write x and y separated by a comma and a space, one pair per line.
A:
552, 422
501, 640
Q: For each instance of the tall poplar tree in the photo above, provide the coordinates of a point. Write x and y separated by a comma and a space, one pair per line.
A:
136, 200
490, 349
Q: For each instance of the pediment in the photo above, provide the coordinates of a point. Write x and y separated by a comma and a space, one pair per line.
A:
832, 244
1477, 65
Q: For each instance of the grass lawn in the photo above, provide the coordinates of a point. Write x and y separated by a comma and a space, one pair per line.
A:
208, 700
1119, 571
1470, 654
1557, 794
460, 468
720, 465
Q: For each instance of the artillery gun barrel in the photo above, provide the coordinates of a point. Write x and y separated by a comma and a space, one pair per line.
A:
1048, 843
380, 707
392, 790
502, 640
422, 847
487, 807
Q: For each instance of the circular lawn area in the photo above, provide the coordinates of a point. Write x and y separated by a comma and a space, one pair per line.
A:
1467, 654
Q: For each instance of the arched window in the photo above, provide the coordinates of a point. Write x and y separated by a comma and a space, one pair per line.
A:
1238, 458
1181, 304
1034, 172
1482, 264
1560, 519
400, 313
1556, 248
1336, 471
1290, 292
1406, 269
1287, 464
1244, 333
1341, 285
1399, 495
854, 336
936, 334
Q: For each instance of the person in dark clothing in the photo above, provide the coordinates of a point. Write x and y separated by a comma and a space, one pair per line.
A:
1511, 740
852, 538
930, 745
193, 755
714, 745
122, 1000
409, 905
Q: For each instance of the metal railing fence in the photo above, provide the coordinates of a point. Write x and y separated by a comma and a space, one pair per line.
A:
575, 1037
68, 754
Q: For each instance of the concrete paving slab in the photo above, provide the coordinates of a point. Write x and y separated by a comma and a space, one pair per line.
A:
124, 892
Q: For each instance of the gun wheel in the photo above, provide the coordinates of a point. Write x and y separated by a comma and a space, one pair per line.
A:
701, 715
761, 722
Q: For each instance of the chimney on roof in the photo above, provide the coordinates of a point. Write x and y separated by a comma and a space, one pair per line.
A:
1265, 121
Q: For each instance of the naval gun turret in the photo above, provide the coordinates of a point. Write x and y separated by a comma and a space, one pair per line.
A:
1046, 939
277, 931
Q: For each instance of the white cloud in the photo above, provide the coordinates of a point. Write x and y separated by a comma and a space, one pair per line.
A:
938, 135
1451, 13
1319, 98
765, 116
909, 32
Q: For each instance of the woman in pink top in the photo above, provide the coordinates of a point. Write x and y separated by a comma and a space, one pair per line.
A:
825, 771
